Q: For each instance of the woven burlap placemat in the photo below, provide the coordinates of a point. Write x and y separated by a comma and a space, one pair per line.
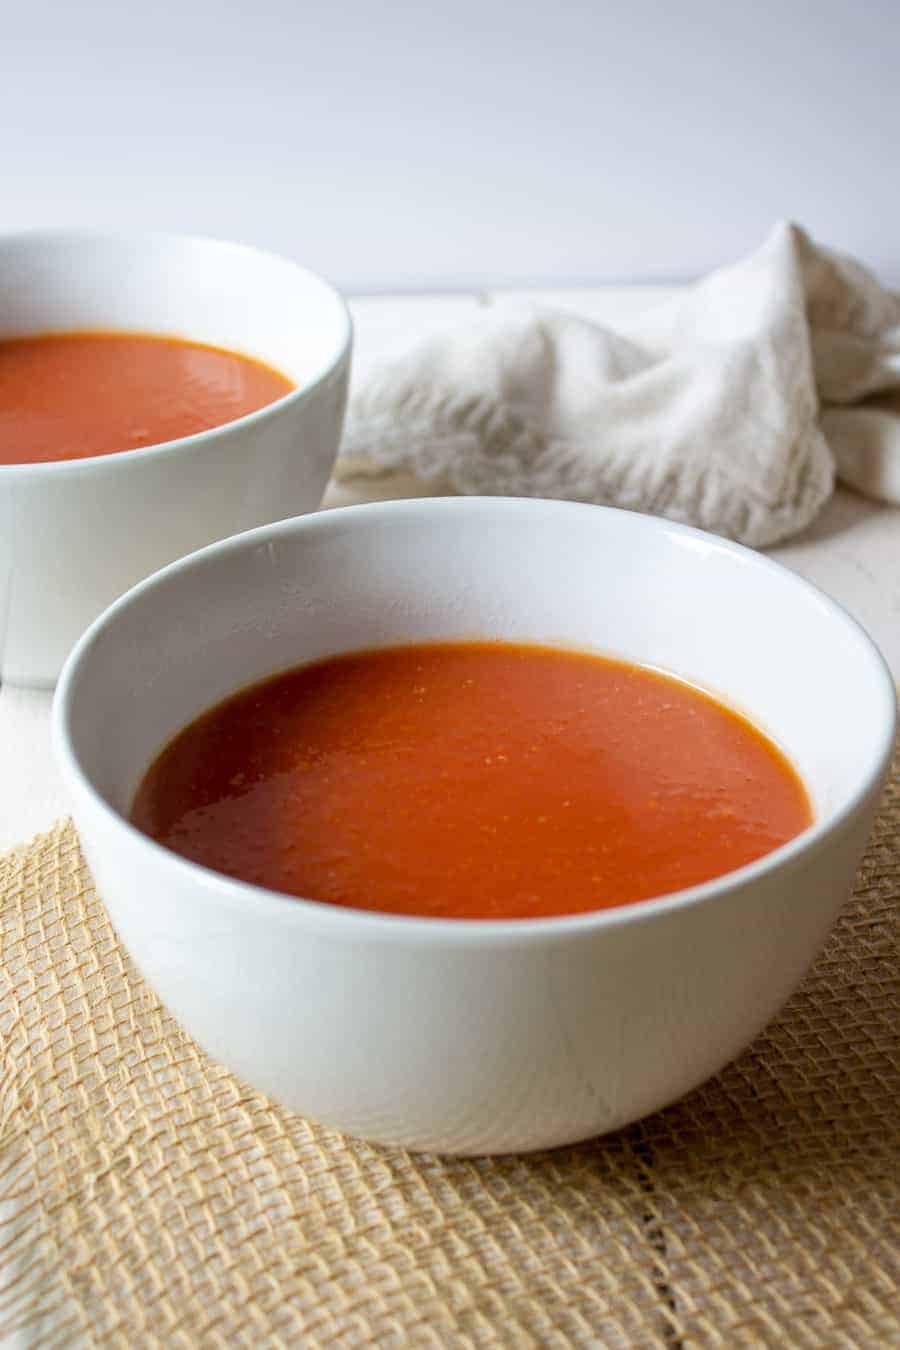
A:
148, 1198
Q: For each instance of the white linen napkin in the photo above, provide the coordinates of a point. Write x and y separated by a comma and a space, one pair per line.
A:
729, 407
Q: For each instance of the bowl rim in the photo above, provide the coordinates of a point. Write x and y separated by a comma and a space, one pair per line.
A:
298, 395
347, 922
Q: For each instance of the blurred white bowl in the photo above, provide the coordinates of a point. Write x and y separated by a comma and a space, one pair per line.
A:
475, 1037
75, 534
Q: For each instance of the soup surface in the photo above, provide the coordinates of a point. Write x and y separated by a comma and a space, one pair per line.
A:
75, 395
472, 780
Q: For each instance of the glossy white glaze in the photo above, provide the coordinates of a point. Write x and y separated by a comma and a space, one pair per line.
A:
474, 1037
74, 535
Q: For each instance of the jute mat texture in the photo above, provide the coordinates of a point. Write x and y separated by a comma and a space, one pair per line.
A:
147, 1198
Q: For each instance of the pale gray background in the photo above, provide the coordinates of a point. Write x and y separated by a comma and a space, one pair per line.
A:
479, 143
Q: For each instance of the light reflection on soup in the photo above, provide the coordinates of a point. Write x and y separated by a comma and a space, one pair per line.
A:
77, 395
473, 780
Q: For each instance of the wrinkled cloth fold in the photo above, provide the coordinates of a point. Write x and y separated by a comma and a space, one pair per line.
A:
731, 407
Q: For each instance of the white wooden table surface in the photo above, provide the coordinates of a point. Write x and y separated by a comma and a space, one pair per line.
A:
852, 551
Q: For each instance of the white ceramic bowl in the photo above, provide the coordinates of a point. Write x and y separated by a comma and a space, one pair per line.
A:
475, 1037
75, 534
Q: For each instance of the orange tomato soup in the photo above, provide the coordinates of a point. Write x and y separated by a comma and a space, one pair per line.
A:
76, 395
472, 781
